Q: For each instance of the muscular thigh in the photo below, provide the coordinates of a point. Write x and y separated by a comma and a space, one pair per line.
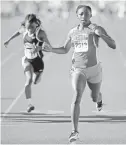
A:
78, 81
94, 87
26, 65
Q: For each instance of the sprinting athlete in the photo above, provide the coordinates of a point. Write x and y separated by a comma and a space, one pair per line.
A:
85, 67
33, 37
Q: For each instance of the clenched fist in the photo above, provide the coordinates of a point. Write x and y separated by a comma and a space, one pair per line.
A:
99, 31
6, 43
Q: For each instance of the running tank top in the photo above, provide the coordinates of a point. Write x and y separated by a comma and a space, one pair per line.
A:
84, 44
31, 42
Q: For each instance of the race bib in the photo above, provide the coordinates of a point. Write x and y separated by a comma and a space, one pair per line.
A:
30, 51
81, 45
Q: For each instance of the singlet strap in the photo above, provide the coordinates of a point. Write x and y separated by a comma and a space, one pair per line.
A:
92, 26
37, 32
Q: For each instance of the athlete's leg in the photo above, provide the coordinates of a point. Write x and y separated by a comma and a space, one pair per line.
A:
78, 84
96, 94
28, 82
94, 82
28, 71
37, 77
38, 66
95, 91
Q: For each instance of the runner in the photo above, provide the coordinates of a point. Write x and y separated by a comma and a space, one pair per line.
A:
84, 40
33, 37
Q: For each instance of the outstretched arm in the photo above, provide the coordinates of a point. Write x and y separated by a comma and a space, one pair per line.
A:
17, 33
60, 50
64, 49
12, 37
43, 37
103, 34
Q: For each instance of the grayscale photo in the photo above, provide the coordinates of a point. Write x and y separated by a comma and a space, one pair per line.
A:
63, 72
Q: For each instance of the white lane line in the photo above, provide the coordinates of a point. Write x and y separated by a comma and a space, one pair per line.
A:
13, 103
7, 59
10, 125
110, 112
55, 112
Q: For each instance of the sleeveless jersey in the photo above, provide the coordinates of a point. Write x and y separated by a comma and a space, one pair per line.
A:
84, 43
31, 42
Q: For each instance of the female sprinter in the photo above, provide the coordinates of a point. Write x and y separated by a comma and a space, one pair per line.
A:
85, 66
33, 38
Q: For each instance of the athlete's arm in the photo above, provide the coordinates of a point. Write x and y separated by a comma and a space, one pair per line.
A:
103, 34
60, 50
17, 33
64, 49
12, 37
43, 37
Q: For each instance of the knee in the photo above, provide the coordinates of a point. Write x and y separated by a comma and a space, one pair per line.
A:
28, 82
77, 97
94, 96
37, 78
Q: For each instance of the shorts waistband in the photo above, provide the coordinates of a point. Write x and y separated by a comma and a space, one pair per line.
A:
99, 63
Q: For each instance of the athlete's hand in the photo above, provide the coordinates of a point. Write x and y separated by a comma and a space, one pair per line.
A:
99, 31
6, 43
46, 47
37, 49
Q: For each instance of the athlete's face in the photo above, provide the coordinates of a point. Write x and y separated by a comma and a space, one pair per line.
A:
84, 15
30, 26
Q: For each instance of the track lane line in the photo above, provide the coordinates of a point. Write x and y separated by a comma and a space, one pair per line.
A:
7, 59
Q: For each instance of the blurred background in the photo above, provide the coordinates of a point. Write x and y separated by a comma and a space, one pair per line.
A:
60, 8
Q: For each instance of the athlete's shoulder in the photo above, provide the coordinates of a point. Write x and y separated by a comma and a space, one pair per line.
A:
22, 29
93, 26
72, 30
41, 34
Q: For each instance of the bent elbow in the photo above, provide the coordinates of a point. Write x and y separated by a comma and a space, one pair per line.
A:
66, 51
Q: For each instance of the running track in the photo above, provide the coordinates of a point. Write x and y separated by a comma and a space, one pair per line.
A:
50, 122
